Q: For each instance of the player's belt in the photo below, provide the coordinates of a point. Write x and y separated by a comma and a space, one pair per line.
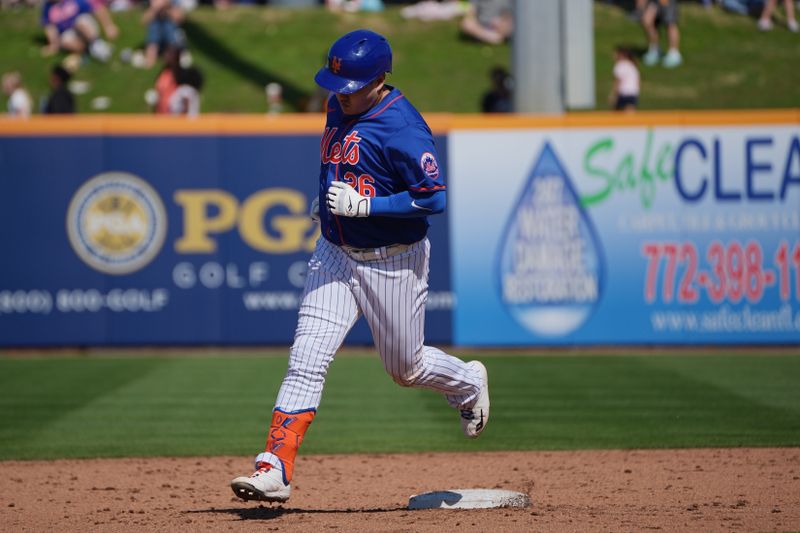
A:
373, 254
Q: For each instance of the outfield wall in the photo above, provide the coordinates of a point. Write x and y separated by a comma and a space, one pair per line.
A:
583, 229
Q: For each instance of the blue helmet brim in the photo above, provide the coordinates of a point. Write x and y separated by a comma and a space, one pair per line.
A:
336, 84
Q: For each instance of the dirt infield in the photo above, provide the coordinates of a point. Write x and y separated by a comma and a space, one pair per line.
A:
667, 490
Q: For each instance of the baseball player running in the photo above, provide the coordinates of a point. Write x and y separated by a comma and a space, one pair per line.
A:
379, 180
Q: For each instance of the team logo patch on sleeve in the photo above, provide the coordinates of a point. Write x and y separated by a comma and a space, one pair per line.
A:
429, 165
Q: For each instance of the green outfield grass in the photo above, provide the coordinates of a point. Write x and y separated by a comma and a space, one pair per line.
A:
728, 63
178, 406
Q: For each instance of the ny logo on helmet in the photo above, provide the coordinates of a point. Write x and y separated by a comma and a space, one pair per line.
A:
336, 64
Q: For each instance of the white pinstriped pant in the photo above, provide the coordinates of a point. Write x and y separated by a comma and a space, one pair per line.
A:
391, 294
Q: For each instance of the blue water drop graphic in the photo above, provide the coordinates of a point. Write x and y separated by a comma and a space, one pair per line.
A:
550, 262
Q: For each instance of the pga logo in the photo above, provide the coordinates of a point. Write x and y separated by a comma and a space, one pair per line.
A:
116, 223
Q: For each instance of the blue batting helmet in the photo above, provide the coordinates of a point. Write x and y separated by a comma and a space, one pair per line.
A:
354, 60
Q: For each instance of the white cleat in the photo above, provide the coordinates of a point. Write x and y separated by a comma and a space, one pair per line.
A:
265, 484
474, 420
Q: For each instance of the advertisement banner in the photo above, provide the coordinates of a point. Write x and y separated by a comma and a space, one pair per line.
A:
166, 239
639, 234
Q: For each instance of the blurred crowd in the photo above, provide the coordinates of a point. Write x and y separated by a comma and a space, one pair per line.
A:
78, 31
84, 30
655, 15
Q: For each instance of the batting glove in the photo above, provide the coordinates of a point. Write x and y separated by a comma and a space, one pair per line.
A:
313, 212
343, 200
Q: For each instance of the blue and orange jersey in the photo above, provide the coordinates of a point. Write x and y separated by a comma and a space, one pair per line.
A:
386, 150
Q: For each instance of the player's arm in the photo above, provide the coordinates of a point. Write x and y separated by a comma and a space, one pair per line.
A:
412, 155
413, 158
407, 204
344, 200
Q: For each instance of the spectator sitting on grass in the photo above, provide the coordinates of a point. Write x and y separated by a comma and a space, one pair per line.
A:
70, 25
60, 100
428, 10
489, 21
163, 19
19, 101
748, 8
352, 6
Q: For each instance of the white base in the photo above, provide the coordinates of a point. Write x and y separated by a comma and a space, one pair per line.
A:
469, 499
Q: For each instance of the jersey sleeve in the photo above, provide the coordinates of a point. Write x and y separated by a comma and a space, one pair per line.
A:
412, 155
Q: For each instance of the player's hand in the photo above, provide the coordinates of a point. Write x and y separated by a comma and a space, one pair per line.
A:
313, 212
343, 200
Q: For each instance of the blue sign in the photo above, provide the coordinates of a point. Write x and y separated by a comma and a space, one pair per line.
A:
167, 240
631, 235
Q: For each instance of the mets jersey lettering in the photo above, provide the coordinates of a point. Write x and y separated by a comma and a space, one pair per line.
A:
387, 150
338, 152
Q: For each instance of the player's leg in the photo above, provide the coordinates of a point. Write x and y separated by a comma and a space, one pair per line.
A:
327, 312
391, 294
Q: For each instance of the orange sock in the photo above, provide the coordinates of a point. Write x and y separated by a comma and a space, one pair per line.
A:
285, 435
